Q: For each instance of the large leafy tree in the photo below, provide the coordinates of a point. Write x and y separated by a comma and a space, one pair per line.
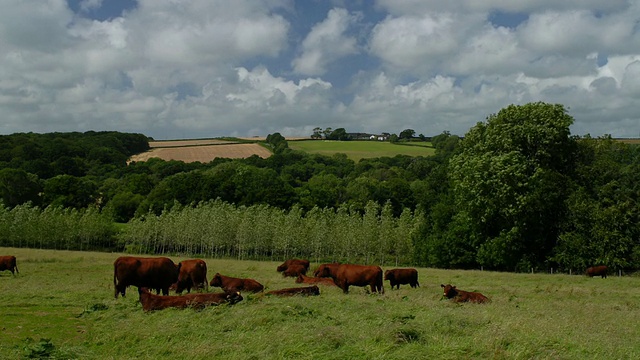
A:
510, 182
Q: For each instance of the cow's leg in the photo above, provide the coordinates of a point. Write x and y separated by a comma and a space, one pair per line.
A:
165, 291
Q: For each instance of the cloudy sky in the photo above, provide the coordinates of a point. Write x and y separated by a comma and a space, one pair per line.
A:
206, 68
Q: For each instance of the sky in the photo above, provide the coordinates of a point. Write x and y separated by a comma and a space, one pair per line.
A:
179, 69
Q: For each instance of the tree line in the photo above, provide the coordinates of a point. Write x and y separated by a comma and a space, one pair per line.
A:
518, 191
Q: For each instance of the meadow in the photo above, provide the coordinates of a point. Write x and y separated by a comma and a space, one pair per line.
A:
62, 304
356, 150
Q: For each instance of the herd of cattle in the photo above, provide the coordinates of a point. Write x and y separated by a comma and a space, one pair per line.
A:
162, 274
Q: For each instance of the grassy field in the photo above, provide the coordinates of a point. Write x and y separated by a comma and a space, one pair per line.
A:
62, 304
356, 150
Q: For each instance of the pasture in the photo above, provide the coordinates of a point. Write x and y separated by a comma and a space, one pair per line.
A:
62, 304
356, 150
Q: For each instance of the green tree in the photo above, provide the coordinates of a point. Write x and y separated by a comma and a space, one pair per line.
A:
510, 180
317, 133
339, 134
407, 134
18, 187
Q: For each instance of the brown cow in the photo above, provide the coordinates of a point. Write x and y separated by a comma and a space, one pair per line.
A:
8, 262
346, 275
151, 302
402, 276
193, 273
315, 280
155, 273
450, 292
235, 284
285, 265
294, 270
597, 271
306, 291
321, 268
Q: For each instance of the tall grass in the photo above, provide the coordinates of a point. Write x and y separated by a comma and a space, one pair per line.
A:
62, 304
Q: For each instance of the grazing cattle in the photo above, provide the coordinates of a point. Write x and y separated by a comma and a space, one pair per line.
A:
306, 291
155, 273
193, 274
235, 284
399, 277
151, 302
8, 262
284, 266
597, 271
450, 292
294, 270
315, 280
346, 275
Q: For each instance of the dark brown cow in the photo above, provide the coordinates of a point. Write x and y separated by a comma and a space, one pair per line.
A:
151, 302
155, 273
315, 280
597, 271
8, 262
235, 284
450, 292
399, 277
193, 274
346, 275
306, 291
294, 270
285, 265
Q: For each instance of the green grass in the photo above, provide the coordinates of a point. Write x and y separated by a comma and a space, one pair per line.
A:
356, 150
62, 304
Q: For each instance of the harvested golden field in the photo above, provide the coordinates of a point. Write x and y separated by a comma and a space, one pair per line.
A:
200, 150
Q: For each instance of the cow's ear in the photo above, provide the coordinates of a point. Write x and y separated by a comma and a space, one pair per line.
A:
441, 285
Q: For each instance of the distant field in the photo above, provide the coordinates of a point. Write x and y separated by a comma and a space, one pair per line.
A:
201, 150
357, 150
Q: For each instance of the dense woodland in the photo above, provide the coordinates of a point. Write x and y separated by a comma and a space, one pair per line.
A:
517, 192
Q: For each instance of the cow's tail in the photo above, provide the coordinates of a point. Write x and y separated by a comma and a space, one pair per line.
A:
115, 285
16, 267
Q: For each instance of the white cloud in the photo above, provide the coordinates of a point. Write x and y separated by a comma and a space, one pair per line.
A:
326, 43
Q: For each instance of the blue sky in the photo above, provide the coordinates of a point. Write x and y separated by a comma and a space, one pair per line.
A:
206, 68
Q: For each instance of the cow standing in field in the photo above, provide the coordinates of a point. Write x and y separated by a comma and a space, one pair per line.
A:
228, 284
151, 302
322, 267
399, 277
155, 273
193, 274
294, 270
8, 262
597, 271
301, 262
346, 275
303, 279
450, 292
305, 291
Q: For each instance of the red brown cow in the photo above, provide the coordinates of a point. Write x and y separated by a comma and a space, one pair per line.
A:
315, 280
597, 271
285, 265
306, 291
193, 274
294, 270
8, 262
235, 284
346, 275
155, 273
399, 277
151, 302
450, 292
321, 268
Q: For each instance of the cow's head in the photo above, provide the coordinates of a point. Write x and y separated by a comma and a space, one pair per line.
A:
282, 267
216, 280
234, 297
449, 291
299, 279
389, 275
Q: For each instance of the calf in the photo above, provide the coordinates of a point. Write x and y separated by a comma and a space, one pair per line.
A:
8, 262
294, 270
151, 302
346, 275
306, 291
402, 276
315, 280
193, 273
285, 265
228, 283
450, 292
597, 271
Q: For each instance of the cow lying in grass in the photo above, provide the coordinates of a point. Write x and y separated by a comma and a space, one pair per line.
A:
307, 291
151, 302
450, 292
303, 279
231, 284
